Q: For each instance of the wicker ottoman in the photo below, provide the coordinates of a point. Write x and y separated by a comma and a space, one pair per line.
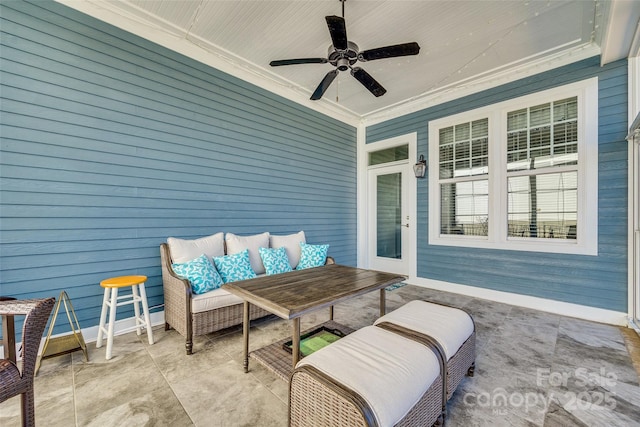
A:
452, 331
371, 377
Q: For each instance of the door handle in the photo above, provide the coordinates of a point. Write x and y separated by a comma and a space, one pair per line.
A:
405, 225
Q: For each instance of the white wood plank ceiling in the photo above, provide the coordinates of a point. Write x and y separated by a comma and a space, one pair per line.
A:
463, 43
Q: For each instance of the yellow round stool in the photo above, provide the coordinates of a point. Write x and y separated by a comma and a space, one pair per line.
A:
111, 298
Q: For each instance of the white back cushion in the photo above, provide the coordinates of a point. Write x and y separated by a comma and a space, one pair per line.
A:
236, 244
185, 250
291, 244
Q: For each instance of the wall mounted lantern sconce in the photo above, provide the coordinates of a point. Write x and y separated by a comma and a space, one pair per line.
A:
420, 168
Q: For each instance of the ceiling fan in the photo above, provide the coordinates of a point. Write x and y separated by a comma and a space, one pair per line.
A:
343, 54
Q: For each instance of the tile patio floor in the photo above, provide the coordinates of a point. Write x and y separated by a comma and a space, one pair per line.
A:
532, 369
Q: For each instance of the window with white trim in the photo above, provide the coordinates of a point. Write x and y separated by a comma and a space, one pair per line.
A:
518, 175
464, 185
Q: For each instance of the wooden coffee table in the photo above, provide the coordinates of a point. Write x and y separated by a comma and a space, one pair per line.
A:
291, 295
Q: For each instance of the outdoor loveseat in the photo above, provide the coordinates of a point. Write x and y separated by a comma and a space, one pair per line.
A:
194, 314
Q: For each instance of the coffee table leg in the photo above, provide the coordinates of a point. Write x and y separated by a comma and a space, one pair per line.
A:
295, 332
331, 313
245, 336
383, 303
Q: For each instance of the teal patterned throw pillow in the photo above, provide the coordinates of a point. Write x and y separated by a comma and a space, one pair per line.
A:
200, 273
234, 267
275, 260
312, 256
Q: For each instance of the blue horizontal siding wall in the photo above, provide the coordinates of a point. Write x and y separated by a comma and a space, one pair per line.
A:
110, 144
597, 281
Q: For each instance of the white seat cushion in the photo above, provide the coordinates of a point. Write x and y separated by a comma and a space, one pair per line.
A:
182, 250
387, 370
216, 298
451, 327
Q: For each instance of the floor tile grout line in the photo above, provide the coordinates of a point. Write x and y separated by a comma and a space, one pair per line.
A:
73, 382
632, 342
166, 380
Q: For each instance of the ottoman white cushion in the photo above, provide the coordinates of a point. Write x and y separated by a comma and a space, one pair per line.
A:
390, 372
451, 327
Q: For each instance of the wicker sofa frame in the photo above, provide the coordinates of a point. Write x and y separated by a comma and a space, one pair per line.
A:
178, 312
177, 307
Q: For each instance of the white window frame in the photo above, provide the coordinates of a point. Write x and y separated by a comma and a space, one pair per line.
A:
586, 242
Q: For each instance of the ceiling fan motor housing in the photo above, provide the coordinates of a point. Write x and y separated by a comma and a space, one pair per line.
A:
343, 59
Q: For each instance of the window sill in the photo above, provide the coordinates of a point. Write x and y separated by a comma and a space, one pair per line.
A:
569, 247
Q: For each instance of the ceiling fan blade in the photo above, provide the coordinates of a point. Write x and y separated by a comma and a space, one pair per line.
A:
367, 81
324, 85
298, 61
404, 49
338, 31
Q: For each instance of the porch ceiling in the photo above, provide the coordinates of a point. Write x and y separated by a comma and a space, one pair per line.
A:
462, 42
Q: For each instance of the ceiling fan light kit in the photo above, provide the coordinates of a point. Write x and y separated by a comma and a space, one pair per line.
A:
343, 54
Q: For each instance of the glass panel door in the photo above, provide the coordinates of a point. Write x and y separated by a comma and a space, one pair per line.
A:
389, 215
389, 233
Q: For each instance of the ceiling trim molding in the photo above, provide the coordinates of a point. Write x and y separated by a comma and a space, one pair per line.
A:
170, 37
634, 51
545, 61
130, 18
620, 17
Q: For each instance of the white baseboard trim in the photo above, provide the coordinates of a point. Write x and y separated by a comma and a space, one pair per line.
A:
551, 306
122, 326
90, 334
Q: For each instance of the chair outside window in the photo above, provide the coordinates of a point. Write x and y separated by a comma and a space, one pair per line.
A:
16, 381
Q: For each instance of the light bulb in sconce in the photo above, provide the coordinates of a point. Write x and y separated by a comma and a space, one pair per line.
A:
420, 168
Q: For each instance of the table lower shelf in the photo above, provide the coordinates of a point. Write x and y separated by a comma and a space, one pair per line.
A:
278, 360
